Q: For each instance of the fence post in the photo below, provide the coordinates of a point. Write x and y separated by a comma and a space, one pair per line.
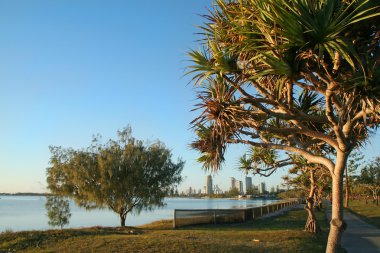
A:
261, 209
175, 212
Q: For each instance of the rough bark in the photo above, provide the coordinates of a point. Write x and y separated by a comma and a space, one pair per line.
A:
337, 225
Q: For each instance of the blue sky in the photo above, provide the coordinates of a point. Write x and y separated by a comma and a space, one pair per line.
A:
71, 69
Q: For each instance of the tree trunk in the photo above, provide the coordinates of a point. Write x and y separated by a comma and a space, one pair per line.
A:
318, 198
312, 225
122, 219
337, 225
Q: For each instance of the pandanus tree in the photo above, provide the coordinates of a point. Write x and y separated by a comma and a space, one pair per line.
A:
302, 176
306, 181
312, 181
259, 56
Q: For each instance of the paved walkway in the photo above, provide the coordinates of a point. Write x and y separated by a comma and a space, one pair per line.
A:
359, 237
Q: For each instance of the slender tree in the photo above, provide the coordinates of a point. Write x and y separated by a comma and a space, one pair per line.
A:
58, 211
304, 176
260, 56
312, 181
125, 176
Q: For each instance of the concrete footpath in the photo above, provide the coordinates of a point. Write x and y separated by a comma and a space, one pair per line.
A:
359, 237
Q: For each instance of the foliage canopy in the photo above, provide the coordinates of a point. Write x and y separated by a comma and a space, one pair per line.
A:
125, 176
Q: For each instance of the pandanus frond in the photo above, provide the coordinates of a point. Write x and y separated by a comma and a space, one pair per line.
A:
309, 102
257, 159
210, 145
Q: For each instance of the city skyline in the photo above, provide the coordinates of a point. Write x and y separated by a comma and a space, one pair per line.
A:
211, 188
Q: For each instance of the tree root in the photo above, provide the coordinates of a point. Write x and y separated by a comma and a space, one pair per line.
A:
312, 225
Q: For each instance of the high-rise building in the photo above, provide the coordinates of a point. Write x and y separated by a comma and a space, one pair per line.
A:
248, 184
217, 189
233, 183
209, 185
237, 184
240, 187
262, 188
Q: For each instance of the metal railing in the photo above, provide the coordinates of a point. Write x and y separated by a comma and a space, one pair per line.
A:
185, 217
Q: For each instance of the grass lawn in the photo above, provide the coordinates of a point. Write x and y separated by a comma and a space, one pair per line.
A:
369, 212
276, 234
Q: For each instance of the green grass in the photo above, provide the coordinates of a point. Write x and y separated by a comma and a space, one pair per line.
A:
369, 212
277, 234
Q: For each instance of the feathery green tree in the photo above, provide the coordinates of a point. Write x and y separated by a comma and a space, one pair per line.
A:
125, 176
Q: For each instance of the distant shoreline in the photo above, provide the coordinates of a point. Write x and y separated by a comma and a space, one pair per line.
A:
25, 194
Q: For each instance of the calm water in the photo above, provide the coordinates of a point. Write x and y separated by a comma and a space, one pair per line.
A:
29, 213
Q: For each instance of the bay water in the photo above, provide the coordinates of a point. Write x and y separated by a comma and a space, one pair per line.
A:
19, 213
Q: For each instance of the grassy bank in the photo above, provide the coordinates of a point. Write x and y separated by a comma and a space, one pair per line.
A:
276, 234
369, 211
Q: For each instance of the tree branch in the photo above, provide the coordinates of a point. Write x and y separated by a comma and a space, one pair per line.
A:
307, 155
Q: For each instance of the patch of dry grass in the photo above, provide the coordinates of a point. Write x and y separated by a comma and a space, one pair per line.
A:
278, 234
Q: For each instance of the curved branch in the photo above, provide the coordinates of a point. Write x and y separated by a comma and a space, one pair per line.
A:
289, 131
307, 155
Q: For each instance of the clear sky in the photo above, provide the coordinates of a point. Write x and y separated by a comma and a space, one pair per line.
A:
73, 68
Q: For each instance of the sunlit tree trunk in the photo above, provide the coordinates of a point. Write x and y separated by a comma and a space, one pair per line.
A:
337, 225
